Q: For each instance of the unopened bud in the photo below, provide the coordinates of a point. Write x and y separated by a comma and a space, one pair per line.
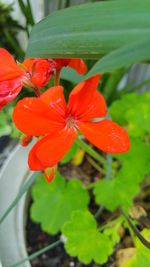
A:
25, 139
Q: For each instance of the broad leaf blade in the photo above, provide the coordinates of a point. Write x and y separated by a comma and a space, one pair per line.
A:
58, 200
84, 240
124, 56
90, 30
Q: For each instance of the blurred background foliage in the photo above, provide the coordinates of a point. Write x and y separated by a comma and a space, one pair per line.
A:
9, 30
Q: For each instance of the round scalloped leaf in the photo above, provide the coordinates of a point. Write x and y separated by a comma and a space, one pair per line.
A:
84, 240
136, 162
120, 191
53, 203
137, 119
115, 193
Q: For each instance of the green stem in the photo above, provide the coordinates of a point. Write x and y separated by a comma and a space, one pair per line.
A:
108, 176
27, 184
38, 253
99, 211
89, 150
109, 167
95, 165
37, 91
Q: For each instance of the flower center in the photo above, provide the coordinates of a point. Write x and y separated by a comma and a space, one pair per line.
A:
71, 122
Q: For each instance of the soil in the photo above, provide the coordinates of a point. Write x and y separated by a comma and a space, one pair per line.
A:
57, 257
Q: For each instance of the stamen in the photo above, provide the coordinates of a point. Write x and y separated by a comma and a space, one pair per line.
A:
71, 122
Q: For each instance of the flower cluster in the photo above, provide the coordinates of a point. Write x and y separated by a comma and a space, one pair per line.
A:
49, 118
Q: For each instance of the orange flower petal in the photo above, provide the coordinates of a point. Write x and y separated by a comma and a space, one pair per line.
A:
49, 174
28, 64
8, 67
50, 149
33, 117
85, 102
40, 69
33, 162
54, 98
78, 64
106, 135
96, 109
9, 90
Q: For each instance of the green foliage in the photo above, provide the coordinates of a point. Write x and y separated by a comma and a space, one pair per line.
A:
121, 190
111, 230
5, 129
91, 38
53, 203
142, 254
84, 240
7, 126
133, 110
70, 154
71, 75
136, 162
9, 30
124, 56
134, 165
115, 193
27, 12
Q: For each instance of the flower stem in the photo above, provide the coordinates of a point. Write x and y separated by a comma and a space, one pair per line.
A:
38, 253
95, 165
108, 176
57, 77
37, 91
89, 150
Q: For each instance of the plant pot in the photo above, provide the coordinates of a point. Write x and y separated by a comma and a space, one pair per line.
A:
12, 230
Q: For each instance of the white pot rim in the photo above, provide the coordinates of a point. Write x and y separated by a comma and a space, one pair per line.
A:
12, 239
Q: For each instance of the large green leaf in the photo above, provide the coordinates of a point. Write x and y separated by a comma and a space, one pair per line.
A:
84, 240
136, 119
125, 56
122, 189
54, 202
90, 30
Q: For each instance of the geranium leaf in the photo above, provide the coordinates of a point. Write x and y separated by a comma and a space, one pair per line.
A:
115, 193
84, 240
53, 203
124, 56
112, 25
112, 230
135, 163
121, 190
142, 254
137, 119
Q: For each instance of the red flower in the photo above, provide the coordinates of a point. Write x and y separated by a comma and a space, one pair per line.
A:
75, 63
58, 124
32, 72
10, 75
40, 70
